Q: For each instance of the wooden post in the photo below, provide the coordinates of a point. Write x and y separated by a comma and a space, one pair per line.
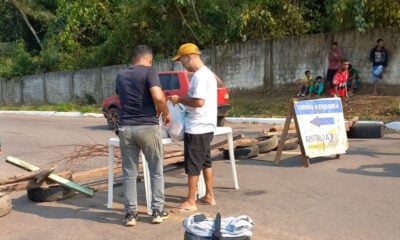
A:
291, 114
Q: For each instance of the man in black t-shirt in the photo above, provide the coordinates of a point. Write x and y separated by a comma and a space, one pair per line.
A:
141, 96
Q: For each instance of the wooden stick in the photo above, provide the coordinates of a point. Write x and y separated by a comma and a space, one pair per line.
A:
35, 174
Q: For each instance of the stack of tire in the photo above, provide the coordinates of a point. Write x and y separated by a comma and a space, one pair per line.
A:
264, 144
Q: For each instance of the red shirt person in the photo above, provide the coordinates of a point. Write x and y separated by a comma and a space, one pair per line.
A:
340, 80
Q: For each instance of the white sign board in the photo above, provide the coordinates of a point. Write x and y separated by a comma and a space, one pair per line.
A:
322, 126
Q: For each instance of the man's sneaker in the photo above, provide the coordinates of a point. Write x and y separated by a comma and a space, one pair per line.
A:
159, 216
130, 219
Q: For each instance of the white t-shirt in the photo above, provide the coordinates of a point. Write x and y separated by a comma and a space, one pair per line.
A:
202, 119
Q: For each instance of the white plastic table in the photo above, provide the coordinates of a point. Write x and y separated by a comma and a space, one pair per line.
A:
113, 142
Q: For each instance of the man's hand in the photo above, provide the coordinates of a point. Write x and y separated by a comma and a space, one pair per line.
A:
174, 99
166, 118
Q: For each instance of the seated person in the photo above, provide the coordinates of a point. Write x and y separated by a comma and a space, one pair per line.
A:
353, 81
317, 87
340, 81
303, 84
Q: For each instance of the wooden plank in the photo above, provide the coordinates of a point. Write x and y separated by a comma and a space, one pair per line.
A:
225, 142
35, 174
284, 133
278, 132
279, 128
64, 182
351, 123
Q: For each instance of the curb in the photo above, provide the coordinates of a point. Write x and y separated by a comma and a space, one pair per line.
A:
392, 125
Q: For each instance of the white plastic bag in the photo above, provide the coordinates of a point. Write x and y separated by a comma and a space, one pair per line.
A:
177, 129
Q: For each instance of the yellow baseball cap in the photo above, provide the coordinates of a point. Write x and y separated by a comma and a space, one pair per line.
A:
187, 48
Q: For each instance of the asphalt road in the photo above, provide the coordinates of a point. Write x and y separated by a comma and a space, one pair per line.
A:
354, 197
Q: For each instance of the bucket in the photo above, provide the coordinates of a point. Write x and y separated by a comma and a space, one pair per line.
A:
5, 203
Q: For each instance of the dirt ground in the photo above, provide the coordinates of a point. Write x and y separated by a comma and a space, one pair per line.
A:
274, 103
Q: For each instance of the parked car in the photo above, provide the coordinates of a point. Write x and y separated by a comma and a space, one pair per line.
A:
172, 83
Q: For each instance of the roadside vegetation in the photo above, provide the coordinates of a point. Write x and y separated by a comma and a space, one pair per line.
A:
270, 104
59, 107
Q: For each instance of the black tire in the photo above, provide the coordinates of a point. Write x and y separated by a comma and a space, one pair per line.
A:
5, 203
267, 143
366, 130
113, 118
50, 194
243, 152
220, 121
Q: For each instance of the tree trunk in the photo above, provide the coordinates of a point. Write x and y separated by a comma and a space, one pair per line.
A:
15, 3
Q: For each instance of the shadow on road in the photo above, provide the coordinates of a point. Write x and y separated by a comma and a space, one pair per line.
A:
376, 170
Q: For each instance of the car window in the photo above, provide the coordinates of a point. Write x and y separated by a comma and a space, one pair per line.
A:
169, 81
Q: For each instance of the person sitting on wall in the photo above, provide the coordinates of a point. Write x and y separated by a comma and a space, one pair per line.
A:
303, 84
340, 81
353, 82
317, 87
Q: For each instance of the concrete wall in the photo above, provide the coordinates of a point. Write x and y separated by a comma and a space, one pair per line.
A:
33, 89
58, 86
255, 64
11, 93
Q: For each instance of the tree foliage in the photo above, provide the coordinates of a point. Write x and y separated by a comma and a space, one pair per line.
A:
65, 34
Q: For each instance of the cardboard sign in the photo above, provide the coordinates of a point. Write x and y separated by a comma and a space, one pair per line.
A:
322, 126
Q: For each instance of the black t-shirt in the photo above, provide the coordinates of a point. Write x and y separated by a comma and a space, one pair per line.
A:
133, 87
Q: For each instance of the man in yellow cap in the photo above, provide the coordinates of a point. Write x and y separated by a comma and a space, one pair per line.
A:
200, 124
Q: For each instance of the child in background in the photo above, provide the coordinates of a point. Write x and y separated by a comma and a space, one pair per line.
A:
303, 84
353, 82
317, 87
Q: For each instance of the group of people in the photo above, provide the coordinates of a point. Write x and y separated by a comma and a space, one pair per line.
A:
142, 100
342, 78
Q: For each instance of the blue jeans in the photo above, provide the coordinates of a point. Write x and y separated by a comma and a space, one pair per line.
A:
376, 71
148, 139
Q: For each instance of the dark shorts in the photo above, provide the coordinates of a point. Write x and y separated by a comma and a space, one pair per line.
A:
197, 152
330, 75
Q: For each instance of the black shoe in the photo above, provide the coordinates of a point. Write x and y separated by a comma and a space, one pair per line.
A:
130, 219
159, 216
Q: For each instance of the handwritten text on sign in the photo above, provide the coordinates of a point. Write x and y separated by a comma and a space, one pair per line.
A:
322, 126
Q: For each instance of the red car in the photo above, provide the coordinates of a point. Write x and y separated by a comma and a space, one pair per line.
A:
172, 83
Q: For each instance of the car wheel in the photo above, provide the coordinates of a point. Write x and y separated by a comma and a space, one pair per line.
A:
113, 118
5, 203
220, 121
49, 194
366, 130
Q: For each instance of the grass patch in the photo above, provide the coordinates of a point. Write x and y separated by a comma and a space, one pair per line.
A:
58, 107
255, 103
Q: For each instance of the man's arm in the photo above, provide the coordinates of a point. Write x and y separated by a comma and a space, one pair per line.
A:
159, 100
191, 102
